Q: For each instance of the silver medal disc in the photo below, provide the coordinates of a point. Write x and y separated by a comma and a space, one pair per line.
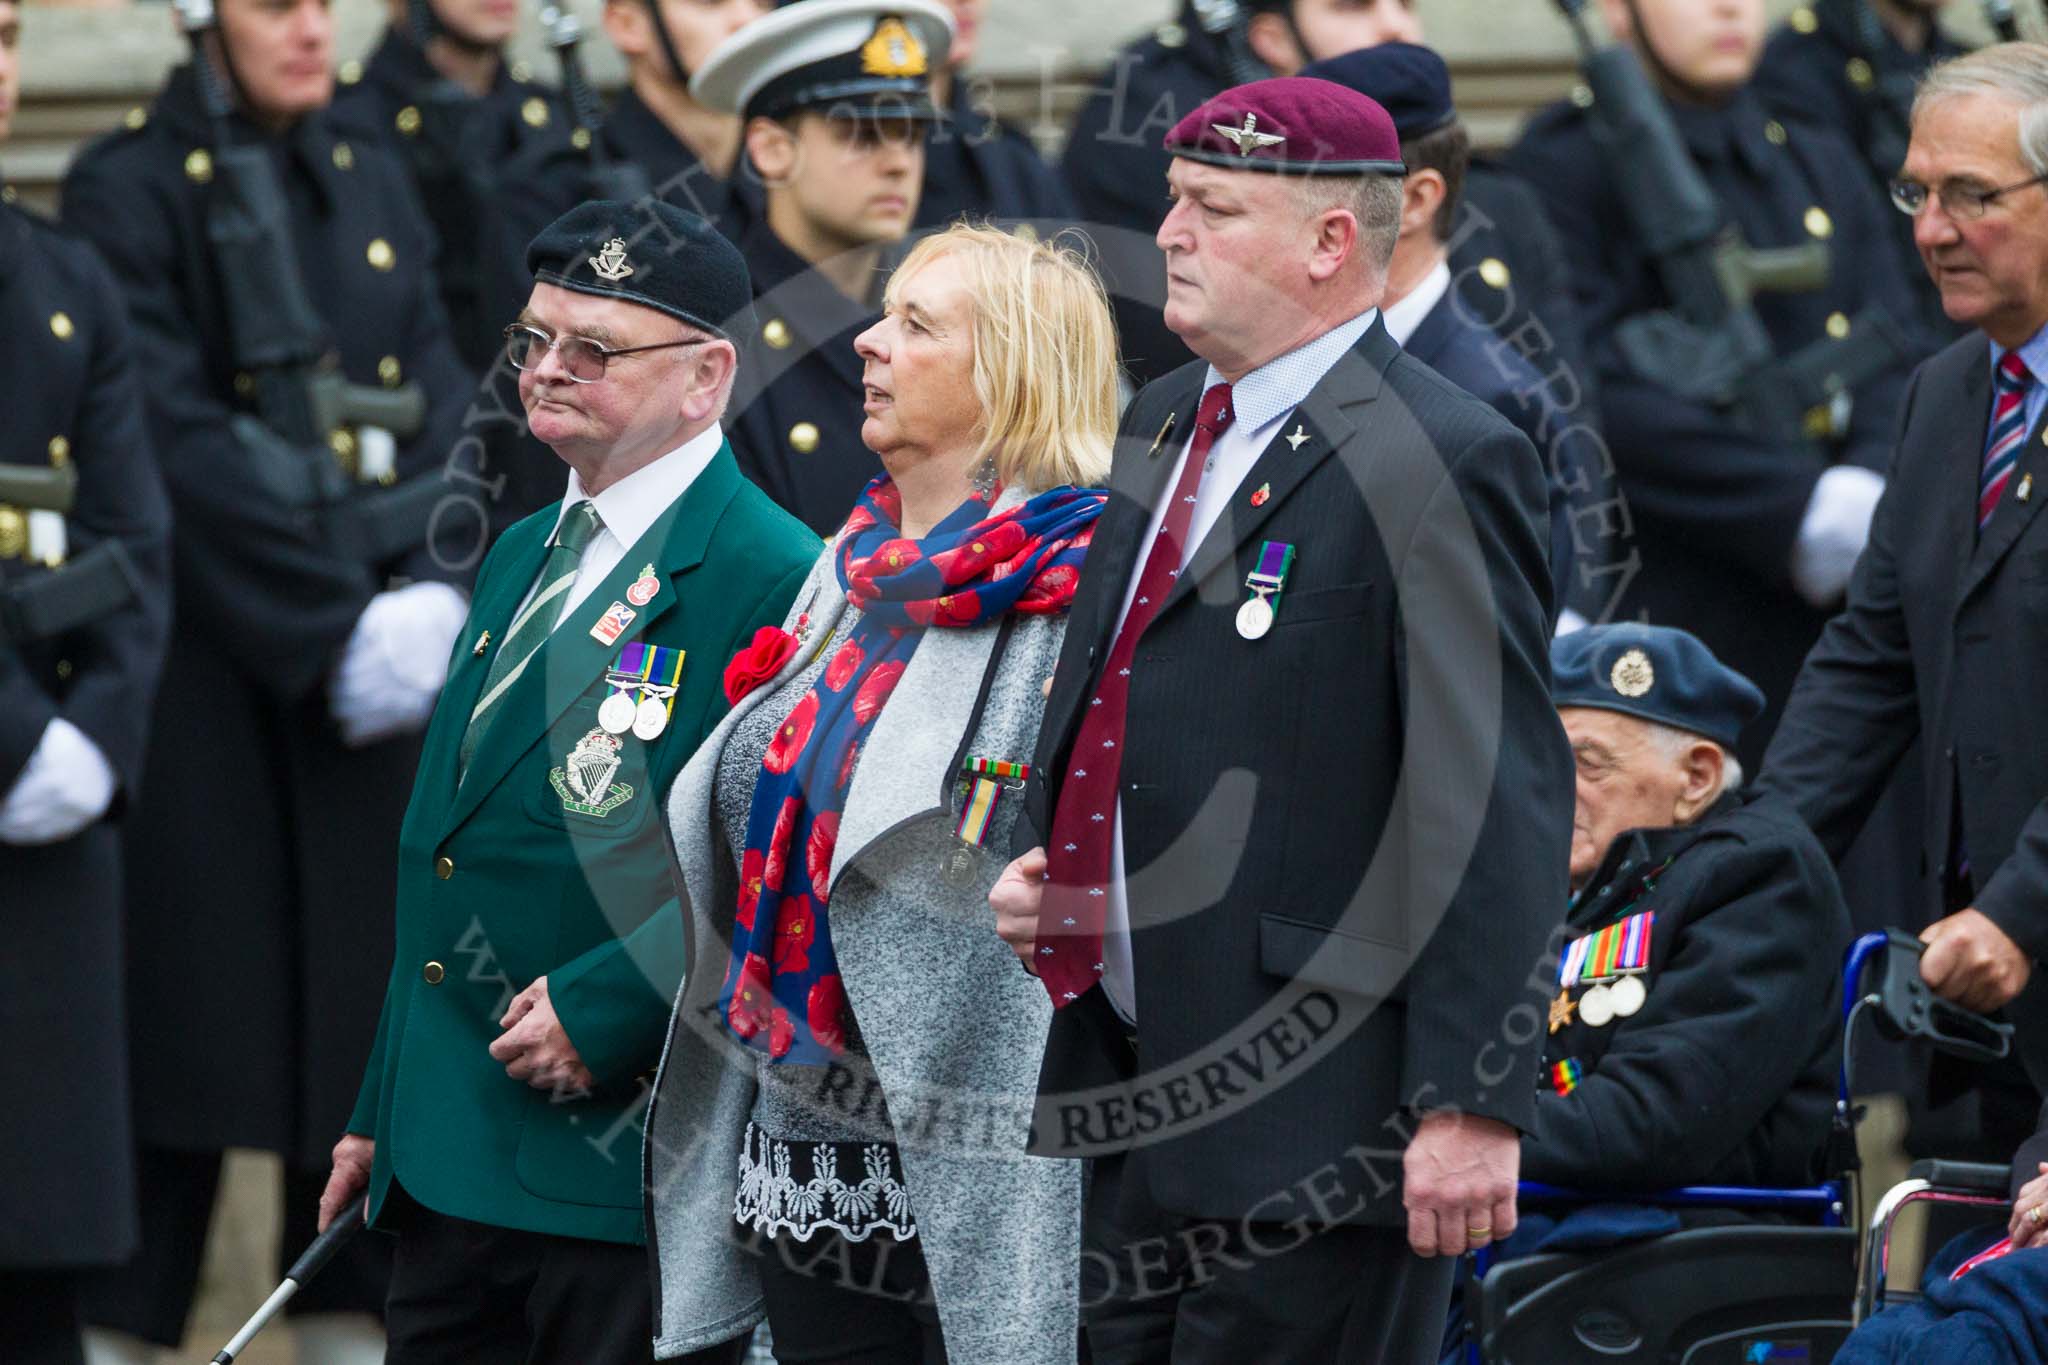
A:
1627, 996
1254, 618
1596, 1007
650, 718
616, 715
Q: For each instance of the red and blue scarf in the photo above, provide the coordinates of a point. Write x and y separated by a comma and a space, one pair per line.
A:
782, 991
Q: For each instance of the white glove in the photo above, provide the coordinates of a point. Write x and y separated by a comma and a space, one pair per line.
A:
1569, 621
65, 786
396, 660
1833, 531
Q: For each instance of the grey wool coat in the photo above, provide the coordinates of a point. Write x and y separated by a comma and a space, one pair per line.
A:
954, 1029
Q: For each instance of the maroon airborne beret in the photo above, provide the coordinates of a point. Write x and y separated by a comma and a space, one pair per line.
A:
1291, 123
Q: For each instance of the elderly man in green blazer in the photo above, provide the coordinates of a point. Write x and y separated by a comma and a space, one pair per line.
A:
539, 945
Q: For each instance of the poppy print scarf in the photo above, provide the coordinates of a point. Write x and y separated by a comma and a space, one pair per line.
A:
782, 992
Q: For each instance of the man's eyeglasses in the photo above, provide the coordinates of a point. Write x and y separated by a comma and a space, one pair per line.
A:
1957, 201
584, 360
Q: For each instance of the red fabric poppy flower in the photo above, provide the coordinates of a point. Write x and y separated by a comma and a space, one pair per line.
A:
777, 865
868, 702
818, 852
758, 662
796, 927
827, 1011
846, 662
791, 736
781, 1033
751, 1001
753, 874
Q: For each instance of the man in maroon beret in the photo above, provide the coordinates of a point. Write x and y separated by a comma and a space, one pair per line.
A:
1302, 802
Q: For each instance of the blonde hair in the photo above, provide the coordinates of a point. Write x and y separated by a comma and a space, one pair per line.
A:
1045, 357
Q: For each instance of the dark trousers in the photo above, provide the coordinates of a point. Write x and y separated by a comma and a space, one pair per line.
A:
1161, 1289
835, 1302
151, 1296
39, 1317
466, 1293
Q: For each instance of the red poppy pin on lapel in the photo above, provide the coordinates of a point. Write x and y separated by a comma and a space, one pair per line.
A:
1265, 491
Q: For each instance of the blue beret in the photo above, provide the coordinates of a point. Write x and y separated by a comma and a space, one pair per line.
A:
650, 253
1409, 81
1287, 123
1653, 673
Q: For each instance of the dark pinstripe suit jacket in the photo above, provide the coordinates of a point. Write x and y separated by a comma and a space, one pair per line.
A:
1345, 841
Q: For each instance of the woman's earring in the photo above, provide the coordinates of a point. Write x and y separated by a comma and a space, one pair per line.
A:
983, 479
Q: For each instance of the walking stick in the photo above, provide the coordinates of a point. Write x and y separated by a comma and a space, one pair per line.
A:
344, 1226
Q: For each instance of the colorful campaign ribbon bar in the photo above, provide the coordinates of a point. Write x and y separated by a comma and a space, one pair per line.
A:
1276, 557
997, 768
1620, 948
1564, 1076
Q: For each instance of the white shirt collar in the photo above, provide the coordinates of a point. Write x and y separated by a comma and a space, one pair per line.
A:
1404, 317
2034, 350
1278, 387
631, 505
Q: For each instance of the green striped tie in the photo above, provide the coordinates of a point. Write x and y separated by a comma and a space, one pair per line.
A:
530, 628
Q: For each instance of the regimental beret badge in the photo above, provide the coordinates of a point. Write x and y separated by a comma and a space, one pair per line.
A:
893, 51
1632, 675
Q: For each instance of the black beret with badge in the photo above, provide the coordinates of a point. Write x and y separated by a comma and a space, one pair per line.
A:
650, 253
868, 59
1654, 673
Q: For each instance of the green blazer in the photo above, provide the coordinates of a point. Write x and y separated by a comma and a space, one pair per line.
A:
501, 881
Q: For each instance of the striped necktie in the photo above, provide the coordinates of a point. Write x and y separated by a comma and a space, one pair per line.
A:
2008, 432
530, 628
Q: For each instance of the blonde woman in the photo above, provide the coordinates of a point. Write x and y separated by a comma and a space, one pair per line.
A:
837, 1134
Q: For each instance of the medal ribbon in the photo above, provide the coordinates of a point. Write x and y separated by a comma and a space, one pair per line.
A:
991, 776
1564, 1076
1618, 949
653, 670
1276, 557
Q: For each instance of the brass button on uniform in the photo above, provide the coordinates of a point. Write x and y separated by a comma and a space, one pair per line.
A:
521, 72
580, 139
63, 670
535, 112
1838, 325
1582, 96
1803, 20
1170, 36
60, 326
380, 254
60, 451
803, 438
408, 121
1860, 74
351, 72
135, 118
776, 333
389, 371
1494, 271
13, 532
344, 157
245, 383
1818, 224
444, 867
1774, 133
433, 973
342, 442
199, 166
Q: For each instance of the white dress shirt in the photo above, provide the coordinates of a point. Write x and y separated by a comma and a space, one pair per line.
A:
1262, 401
627, 509
1404, 317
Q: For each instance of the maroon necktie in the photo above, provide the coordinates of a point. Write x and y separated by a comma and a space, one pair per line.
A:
1077, 857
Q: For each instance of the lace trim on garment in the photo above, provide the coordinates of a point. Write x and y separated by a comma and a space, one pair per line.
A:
777, 1194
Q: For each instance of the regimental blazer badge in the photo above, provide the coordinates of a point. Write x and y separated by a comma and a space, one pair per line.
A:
584, 781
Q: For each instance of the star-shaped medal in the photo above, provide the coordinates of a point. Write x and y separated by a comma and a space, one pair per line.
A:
1561, 1010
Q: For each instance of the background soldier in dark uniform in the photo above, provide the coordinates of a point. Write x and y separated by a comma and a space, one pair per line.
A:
1746, 537
282, 746
73, 703
1507, 264
656, 125
1850, 65
975, 164
839, 143
1717, 1066
438, 90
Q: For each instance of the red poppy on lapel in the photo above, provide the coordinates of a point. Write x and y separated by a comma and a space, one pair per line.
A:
761, 660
